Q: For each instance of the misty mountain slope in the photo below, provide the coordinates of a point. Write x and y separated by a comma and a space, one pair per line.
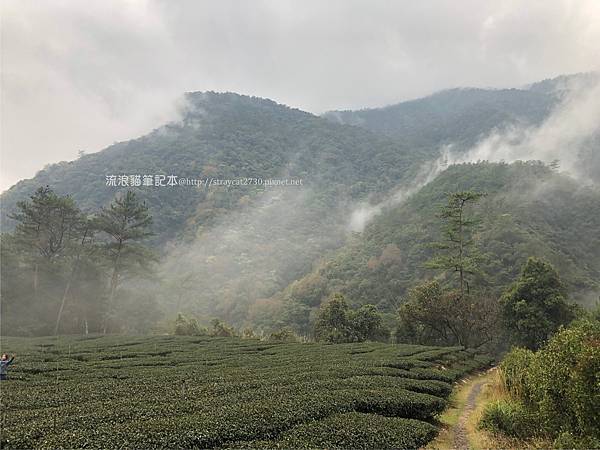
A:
231, 136
588, 163
238, 252
230, 247
228, 136
563, 84
552, 120
461, 117
530, 210
458, 116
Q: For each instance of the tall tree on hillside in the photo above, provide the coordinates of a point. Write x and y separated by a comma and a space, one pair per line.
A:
332, 324
535, 306
127, 223
48, 228
85, 245
457, 252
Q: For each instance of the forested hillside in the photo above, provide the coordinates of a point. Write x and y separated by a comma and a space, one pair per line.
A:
268, 256
457, 116
223, 248
228, 136
461, 117
529, 210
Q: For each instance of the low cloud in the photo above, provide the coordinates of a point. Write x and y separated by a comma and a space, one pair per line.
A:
364, 212
561, 137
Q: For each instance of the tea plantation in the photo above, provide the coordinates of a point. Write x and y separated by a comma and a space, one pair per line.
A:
198, 392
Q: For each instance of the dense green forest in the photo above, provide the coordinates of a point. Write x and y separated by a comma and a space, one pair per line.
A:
460, 118
529, 210
457, 116
228, 136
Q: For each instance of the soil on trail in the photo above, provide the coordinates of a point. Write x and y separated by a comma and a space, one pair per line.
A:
461, 435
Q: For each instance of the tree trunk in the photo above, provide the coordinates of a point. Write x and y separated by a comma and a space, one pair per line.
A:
114, 280
62, 305
69, 281
35, 280
460, 253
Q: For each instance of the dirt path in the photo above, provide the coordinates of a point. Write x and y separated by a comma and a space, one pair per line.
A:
460, 432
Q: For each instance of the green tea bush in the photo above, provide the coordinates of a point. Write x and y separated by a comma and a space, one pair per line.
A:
397, 403
204, 392
359, 431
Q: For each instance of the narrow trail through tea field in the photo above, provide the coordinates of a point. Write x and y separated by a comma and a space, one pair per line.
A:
458, 422
460, 432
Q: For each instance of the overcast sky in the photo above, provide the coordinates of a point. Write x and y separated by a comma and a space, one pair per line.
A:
79, 75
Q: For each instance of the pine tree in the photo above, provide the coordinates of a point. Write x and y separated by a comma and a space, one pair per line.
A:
458, 253
127, 223
48, 229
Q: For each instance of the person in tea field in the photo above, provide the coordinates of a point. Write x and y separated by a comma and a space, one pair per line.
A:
4, 363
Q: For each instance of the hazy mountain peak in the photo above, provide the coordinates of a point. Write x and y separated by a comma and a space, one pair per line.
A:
565, 83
